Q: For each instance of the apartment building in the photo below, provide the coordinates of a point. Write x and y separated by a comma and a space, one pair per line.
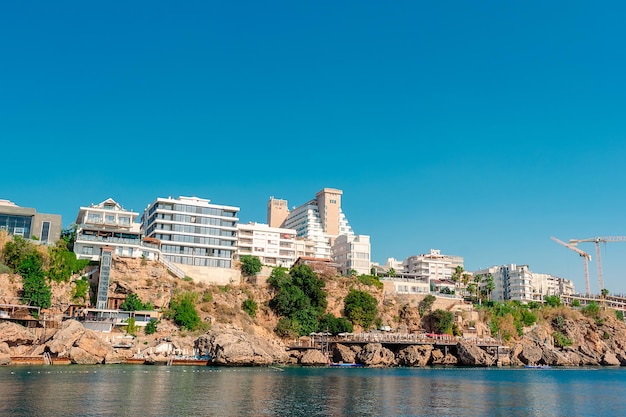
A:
274, 246
193, 231
433, 265
27, 223
352, 252
319, 220
109, 225
517, 282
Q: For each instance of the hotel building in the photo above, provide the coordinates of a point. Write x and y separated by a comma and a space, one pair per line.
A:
193, 231
274, 246
352, 253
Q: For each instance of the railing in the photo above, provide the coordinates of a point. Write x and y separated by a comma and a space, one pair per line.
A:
172, 268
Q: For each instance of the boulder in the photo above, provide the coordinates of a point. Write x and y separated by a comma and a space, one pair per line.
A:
440, 358
92, 344
64, 339
415, 355
471, 355
81, 357
343, 354
4, 348
609, 359
313, 357
375, 355
15, 335
530, 354
554, 357
230, 346
5, 359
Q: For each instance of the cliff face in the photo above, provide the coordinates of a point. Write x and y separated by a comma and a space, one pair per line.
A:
235, 338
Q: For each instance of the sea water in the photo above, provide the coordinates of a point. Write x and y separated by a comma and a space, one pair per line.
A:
142, 390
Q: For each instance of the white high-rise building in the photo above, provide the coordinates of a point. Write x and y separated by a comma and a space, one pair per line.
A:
274, 246
352, 253
319, 220
193, 231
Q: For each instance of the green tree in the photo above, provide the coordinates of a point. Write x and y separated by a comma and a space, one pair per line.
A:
16, 251
591, 310
426, 304
132, 303
36, 291
151, 326
334, 325
360, 308
489, 285
63, 263
441, 321
552, 300
250, 265
392, 272
312, 286
184, 311
80, 292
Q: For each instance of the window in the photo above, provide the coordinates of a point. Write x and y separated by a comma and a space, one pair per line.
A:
45, 231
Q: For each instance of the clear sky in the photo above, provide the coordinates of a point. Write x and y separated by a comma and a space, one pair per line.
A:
478, 128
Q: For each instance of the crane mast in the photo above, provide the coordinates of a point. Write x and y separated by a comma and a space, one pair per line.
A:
597, 241
586, 258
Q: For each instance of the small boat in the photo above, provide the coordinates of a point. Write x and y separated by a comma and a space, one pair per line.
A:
346, 365
538, 366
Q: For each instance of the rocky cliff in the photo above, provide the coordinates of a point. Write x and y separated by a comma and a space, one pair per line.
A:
235, 338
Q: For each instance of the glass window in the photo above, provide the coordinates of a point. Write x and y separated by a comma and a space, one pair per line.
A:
45, 231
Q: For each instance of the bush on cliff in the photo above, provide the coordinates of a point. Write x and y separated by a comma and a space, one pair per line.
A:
183, 311
360, 308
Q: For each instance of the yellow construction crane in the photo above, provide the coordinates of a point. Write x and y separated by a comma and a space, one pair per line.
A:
586, 258
597, 241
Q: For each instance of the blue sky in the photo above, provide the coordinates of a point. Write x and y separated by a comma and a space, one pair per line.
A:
477, 128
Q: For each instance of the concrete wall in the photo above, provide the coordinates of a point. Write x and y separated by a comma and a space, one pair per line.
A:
210, 275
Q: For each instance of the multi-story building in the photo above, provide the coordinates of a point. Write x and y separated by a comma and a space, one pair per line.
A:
27, 223
352, 253
273, 246
517, 282
108, 224
320, 220
193, 231
433, 265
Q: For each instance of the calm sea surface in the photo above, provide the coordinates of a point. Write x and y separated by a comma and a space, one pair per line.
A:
141, 390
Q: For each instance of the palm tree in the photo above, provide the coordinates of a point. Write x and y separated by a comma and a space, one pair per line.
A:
392, 272
603, 293
490, 285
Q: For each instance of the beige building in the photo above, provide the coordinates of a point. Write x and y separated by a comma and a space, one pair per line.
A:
27, 223
352, 253
433, 265
273, 246
319, 220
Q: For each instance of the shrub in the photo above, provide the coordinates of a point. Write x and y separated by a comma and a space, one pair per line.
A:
426, 304
207, 297
184, 312
151, 327
441, 321
560, 340
334, 325
287, 327
80, 291
250, 265
250, 306
552, 300
619, 314
576, 303
591, 310
370, 280
131, 303
360, 308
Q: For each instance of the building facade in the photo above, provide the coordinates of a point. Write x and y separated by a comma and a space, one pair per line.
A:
193, 231
319, 220
109, 225
517, 282
433, 265
273, 246
27, 223
352, 253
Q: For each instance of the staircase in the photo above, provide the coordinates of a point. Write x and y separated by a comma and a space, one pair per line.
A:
172, 268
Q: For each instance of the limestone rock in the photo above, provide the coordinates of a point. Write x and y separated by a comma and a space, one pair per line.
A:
64, 339
230, 346
15, 335
313, 357
4, 348
609, 359
471, 355
530, 354
416, 355
92, 344
375, 355
343, 354
81, 357
5, 359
